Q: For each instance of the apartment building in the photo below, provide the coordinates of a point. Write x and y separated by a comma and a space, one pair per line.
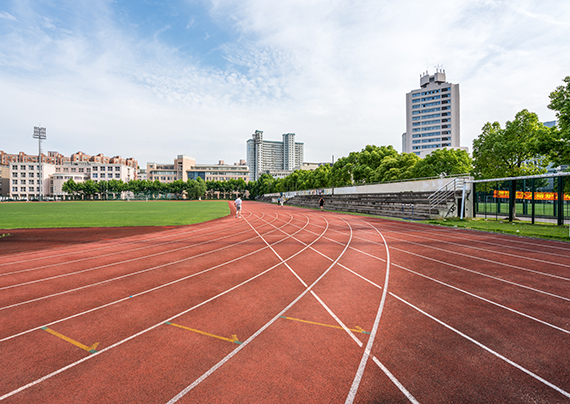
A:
220, 171
432, 116
25, 179
278, 159
81, 171
170, 172
4, 181
185, 168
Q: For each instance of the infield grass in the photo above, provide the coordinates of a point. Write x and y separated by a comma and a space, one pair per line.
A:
28, 215
519, 228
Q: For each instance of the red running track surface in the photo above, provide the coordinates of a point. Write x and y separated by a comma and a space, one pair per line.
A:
287, 305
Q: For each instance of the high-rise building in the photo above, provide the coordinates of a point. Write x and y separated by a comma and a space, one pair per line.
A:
278, 159
432, 116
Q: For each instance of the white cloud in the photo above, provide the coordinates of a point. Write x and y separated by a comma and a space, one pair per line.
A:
334, 72
7, 16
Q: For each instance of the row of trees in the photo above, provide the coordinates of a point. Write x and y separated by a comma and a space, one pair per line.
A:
88, 189
372, 164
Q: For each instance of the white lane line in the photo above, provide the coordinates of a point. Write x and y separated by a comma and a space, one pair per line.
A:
138, 294
482, 274
110, 244
429, 230
139, 258
368, 349
504, 238
455, 288
483, 259
246, 342
479, 344
443, 283
473, 271
275, 252
408, 395
338, 320
486, 300
117, 263
126, 275
99, 352
96, 257
487, 251
350, 333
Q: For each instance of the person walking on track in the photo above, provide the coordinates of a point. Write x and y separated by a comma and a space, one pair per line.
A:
322, 203
237, 204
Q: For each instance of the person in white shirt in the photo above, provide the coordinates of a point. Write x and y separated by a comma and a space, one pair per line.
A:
237, 204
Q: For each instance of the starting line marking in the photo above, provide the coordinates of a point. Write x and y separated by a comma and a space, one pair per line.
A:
233, 339
355, 329
90, 349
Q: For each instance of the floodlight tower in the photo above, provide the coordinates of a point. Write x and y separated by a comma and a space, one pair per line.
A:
40, 134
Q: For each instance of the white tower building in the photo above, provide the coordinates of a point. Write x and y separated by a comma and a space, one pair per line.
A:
432, 116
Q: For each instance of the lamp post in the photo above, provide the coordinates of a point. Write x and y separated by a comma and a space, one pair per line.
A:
40, 134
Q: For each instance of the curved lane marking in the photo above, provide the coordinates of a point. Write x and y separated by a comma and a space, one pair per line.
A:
137, 294
71, 365
370, 343
258, 332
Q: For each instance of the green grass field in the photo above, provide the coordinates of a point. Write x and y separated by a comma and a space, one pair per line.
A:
108, 213
519, 228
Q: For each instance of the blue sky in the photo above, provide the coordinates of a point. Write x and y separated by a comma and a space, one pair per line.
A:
154, 79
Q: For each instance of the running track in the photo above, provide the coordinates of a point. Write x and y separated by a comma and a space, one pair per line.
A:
288, 305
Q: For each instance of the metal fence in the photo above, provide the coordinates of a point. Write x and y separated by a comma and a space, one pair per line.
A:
540, 197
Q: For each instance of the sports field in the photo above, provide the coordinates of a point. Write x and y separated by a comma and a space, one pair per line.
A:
288, 305
109, 213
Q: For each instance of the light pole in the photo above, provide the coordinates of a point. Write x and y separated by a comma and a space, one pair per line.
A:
40, 134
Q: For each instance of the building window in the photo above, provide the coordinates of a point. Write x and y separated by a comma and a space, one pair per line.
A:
22, 167
14, 189
110, 175
429, 104
31, 189
95, 175
14, 167
73, 169
94, 168
22, 189
117, 175
81, 170
22, 174
30, 167
117, 168
65, 169
14, 182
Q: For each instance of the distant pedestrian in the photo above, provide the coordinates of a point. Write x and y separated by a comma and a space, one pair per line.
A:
322, 203
237, 204
281, 201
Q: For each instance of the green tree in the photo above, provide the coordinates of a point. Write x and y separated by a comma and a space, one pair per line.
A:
395, 167
89, 188
509, 152
443, 161
555, 143
70, 187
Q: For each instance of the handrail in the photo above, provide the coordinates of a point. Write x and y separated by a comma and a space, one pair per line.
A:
445, 191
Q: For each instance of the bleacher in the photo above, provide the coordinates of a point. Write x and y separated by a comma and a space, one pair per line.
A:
406, 205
